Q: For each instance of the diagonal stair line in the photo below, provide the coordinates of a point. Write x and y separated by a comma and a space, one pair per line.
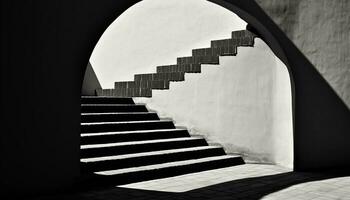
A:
127, 132
143, 84
94, 146
151, 153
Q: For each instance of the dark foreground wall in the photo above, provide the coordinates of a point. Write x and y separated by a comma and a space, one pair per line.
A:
45, 48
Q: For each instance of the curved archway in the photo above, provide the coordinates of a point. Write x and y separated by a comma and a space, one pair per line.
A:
259, 94
313, 119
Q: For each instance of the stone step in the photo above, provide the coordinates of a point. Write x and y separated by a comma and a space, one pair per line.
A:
119, 148
112, 108
105, 100
224, 43
126, 126
215, 51
149, 158
152, 84
127, 136
118, 116
244, 41
125, 92
198, 60
242, 34
186, 68
149, 172
174, 76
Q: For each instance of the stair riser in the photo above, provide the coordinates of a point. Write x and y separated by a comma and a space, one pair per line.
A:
161, 84
107, 108
220, 51
133, 137
188, 68
246, 41
119, 117
239, 34
149, 160
176, 76
110, 100
126, 127
125, 92
198, 60
163, 173
109, 151
242, 34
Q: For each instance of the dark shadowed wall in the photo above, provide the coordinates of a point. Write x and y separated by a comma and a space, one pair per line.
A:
90, 82
321, 30
45, 48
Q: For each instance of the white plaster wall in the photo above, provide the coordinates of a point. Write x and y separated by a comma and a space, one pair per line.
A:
244, 104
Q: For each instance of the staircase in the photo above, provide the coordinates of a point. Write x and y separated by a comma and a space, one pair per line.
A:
122, 142
143, 84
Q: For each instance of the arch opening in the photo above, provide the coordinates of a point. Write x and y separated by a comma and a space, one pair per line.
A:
269, 104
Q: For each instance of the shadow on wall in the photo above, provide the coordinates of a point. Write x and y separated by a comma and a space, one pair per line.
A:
286, 12
320, 30
90, 82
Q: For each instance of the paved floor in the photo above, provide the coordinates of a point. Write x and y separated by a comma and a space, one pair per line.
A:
249, 181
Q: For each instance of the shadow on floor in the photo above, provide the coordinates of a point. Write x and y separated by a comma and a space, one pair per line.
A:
249, 188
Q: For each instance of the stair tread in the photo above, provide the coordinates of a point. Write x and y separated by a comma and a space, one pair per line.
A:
93, 146
128, 132
126, 122
150, 153
165, 165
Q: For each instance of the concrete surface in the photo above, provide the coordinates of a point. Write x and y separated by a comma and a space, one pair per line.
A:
320, 29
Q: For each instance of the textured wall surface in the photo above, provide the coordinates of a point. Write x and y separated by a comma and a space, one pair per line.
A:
243, 104
321, 30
